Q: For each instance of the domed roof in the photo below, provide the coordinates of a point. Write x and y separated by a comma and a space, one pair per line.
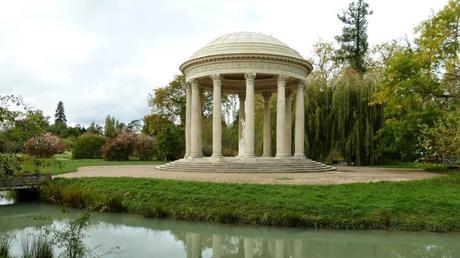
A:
246, 43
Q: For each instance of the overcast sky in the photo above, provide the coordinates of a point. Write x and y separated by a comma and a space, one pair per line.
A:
104, 57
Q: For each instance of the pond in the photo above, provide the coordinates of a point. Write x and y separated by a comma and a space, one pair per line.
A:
136, 236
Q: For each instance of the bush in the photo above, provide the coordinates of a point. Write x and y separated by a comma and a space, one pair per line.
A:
69, 142
120, 147
12, 146
144, 147
10, 164
170, 141
88, 146
44, 146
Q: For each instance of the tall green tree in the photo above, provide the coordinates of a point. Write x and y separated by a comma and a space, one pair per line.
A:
438, 51
59, 116
95, 128
353, 40
420, 85
110, 129
169, 101
341, 121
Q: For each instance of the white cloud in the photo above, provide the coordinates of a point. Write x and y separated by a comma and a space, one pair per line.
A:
104, 57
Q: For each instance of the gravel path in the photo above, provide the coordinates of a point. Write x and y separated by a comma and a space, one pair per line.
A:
343, 175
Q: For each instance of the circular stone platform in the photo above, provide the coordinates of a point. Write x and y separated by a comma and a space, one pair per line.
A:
242, 165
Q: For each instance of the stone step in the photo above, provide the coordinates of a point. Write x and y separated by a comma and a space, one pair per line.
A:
243, 165
249, 170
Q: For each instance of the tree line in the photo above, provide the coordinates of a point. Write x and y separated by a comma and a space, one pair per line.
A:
395, 101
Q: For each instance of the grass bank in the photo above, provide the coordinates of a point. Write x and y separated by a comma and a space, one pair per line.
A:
398, 165
428, 205
63, 163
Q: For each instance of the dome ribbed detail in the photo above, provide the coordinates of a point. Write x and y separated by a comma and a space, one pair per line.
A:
246, 43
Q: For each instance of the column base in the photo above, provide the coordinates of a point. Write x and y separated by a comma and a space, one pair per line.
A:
266, 156
217, 157
299, 156
194, 156
281, 156
249, 156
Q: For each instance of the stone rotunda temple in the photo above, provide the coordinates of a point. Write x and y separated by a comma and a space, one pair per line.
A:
246, 64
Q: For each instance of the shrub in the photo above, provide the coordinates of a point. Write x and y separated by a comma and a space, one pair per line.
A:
88, 146
170, 143
12, 146
71, 237
44, 146
120, 147
144, 147
9, 164
69, 142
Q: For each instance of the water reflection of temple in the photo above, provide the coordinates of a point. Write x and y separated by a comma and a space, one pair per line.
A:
222, 245
142, 237
241, 247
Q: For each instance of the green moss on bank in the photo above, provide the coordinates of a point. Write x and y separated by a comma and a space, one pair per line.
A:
429, 205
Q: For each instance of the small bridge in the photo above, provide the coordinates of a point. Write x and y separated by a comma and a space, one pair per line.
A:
21, 182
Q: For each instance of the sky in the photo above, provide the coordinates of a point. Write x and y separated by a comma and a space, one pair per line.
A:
105, 57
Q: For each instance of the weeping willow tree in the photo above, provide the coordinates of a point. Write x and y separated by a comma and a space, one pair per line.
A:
340, 119
318, 119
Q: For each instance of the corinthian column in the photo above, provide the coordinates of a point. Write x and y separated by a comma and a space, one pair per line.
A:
216, 116
195, 141
267, 145
200, 123
299, 121
188, 113
242, 117
281, 117
249, 130
288, 132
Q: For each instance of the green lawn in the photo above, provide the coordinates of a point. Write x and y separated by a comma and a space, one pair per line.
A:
398, 165
63, 163
430, 205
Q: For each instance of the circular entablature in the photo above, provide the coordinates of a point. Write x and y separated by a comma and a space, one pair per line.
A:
246, 52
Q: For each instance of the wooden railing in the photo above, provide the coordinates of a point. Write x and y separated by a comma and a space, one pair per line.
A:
25, 181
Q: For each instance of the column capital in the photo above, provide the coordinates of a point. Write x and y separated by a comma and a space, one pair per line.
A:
267, 96
300, 84
282, 78
250, 76
188, 86
194, 83
216, 77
